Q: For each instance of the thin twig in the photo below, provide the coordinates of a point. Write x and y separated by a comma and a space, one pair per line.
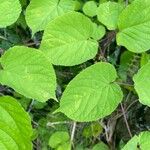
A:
125, 119
120, 115
73, 132
30, 106
52, 124
3, 38
131, 105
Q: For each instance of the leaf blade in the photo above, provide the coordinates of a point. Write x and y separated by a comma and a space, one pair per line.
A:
15, 125
67, 40
142, 84
108, 14
91, 94
40, 13
10, 11
134, 32
29, 72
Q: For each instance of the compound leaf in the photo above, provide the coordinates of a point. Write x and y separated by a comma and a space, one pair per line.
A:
28, 72
92, 94
40, 13
142, 84
15, 126
108, 14
9, 12
67, 40
134, 25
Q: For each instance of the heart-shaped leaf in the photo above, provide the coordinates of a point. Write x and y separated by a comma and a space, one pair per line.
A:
92, 94
68, 40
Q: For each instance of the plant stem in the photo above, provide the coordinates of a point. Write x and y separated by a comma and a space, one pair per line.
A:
73, 132
125, 119
30, 106
57, 123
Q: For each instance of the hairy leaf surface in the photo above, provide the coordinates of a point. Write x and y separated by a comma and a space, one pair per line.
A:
67, 40
108, 14
92, 94
29, 72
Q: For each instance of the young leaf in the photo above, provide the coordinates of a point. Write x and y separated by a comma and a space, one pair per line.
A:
100, 146
28, 72
142, 84
67, 40
140, 142
40, 13
108, 14
58, 138
92, 94
99, 32
78, 4
134, 25
64, 146
9, 12
90, 8
15, 126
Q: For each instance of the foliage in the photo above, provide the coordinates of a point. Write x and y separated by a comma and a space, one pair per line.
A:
94, 83
75, 74
15, 127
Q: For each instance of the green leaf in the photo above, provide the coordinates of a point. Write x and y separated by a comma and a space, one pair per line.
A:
139, 142
78, 4
142, 84
99, 32
100, 146
93, 129
40, 13
67, 40
108, 14
134, 25
15, 126
144, 59
90, 8
65, 146
125, 60
28, 72
58, 138
92, 94
9, 12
